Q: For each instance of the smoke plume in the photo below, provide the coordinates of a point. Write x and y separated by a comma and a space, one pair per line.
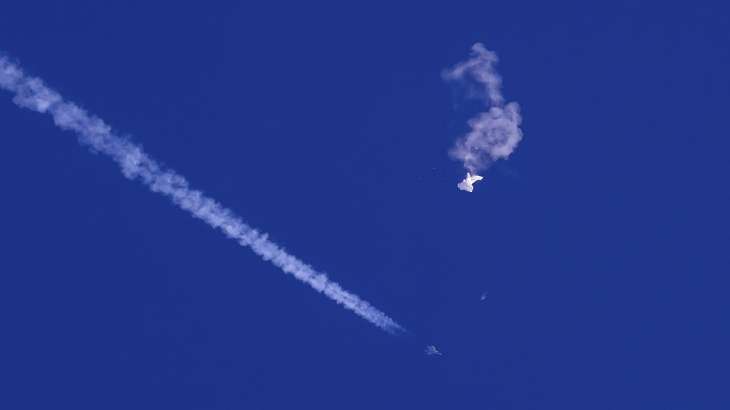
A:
494, 133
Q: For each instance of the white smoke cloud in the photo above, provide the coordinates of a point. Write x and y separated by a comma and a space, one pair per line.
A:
31, 93
495, 133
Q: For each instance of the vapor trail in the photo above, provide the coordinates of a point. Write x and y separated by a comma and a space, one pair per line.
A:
495, 133
33, 94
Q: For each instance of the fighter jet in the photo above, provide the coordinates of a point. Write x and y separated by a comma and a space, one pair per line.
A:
432, 350
468, 183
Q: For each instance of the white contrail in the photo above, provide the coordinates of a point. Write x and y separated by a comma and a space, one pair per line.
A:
495, 133
31, 93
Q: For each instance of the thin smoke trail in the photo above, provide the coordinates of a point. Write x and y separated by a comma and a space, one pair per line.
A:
33, 94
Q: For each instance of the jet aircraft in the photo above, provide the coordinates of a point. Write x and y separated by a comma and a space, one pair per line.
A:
431, 350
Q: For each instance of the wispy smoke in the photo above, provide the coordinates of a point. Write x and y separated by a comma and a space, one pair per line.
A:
495, 133
31, 93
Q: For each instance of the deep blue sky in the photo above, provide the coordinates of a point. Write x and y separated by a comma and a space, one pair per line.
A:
602, 243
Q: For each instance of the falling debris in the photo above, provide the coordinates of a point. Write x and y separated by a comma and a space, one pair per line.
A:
493, 133
468, 183
431, 350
